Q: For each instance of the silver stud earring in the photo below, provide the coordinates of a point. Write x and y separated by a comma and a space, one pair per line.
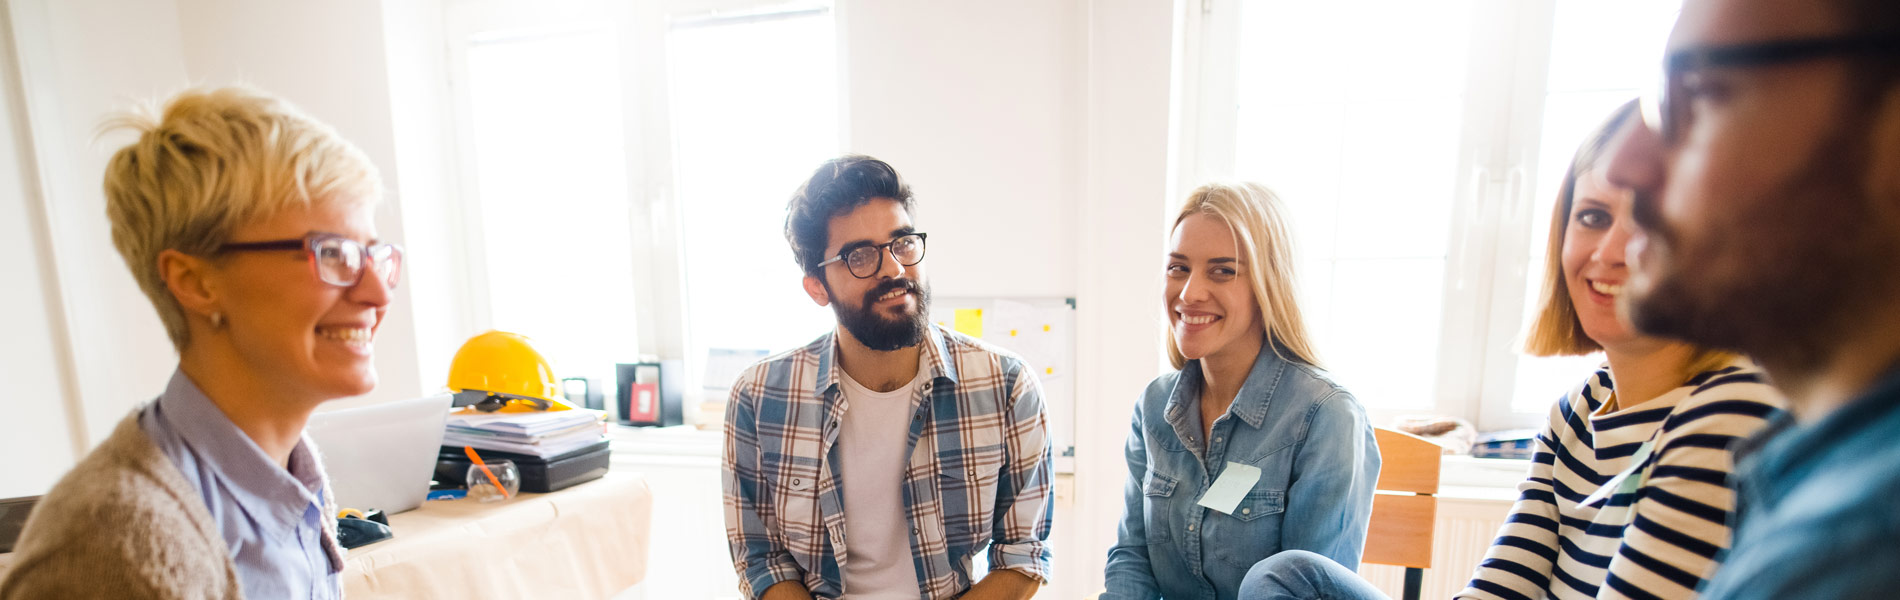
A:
217, 320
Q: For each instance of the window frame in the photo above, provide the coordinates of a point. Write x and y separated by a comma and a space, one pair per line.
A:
1483, 305
656, 218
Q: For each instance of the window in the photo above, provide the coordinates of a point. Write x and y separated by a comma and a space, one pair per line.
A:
1362, 149
616, 154
1588, 79
754, 109
550, 181
1418, 148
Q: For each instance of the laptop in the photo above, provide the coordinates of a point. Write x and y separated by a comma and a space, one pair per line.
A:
381, 456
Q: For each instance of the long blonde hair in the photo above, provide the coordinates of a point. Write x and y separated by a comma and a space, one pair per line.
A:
1254, 214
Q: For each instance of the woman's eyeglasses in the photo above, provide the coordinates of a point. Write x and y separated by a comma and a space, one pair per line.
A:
866, 260
334, 259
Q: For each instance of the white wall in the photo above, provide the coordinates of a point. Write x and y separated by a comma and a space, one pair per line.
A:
1123, 225
38, 380
79, 60
978, 104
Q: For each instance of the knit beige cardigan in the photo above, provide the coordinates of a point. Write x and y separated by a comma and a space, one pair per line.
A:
124, 523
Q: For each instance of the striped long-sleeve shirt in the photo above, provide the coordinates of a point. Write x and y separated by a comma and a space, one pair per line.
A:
1659, 536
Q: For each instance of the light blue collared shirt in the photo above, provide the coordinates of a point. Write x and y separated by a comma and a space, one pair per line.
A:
271, 518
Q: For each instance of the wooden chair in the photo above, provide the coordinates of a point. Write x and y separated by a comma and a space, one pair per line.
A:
1405, 506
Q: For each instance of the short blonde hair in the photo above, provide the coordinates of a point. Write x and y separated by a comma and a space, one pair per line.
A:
211, 161
1255, 216
1556, 329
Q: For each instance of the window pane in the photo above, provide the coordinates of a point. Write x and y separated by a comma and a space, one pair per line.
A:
754, 109
551, 177
1603, 53
1361, 142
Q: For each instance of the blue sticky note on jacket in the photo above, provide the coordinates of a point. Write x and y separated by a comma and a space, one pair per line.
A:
1231, 487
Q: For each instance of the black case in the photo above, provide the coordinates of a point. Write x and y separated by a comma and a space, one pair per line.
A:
538, 475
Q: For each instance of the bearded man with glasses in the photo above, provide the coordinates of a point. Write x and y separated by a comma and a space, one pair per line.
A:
876, 461
1767, 195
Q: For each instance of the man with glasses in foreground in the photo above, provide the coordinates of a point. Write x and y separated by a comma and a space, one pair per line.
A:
1767, 181
876, 461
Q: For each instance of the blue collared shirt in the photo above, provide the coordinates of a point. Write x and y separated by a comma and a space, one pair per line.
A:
1317, 460
1815, 515
272, 519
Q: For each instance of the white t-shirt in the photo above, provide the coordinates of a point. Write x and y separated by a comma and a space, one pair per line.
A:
872, 449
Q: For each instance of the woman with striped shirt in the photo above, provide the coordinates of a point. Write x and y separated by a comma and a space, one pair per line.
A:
1627, 495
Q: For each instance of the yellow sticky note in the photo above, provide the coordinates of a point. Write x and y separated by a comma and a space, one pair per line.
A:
970, 322
1045, 328
1049, 371
1012, 333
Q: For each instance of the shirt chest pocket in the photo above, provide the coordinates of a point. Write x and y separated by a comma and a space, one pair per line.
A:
1260, 503
1157, 494
967, 482
793, 484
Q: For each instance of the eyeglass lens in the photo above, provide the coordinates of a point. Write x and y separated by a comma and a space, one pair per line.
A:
866, 260
340, 261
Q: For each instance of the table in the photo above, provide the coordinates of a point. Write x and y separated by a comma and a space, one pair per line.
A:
587, 541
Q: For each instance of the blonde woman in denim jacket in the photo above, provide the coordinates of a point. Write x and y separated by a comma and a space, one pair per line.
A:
1248, 449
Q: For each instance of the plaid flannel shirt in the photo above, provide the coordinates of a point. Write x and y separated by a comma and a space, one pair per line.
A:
979, 470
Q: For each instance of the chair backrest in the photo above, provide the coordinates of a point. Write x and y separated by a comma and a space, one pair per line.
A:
13, 512
1406, 504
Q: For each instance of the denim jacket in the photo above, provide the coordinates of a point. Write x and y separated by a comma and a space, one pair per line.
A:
1815, 514
1318, 464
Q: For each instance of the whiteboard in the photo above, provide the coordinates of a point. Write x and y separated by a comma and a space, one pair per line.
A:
1042, 332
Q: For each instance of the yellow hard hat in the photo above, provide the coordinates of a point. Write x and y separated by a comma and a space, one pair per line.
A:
503, 366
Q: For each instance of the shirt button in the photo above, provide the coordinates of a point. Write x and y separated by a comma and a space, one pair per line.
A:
1217, 439
1190, 527
797, 482
1246, 511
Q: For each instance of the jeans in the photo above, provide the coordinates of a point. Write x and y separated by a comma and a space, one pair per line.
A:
1302, 575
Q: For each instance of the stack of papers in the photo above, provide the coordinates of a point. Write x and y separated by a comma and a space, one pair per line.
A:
542, 434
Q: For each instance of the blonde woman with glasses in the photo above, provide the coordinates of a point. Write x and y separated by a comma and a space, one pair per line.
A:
251, 228
1628, 493
1247, 450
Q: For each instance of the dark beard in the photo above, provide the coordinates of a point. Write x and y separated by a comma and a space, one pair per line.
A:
1808, 256
874, 330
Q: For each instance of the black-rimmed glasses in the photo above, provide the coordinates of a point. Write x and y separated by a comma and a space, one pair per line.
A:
1666, 109
865, 260
334, 259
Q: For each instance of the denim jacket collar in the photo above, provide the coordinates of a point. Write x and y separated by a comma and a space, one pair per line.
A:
1250, 403
1787, 446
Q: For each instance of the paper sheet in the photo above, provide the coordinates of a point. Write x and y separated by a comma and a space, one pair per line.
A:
1626, 482
1232, 486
